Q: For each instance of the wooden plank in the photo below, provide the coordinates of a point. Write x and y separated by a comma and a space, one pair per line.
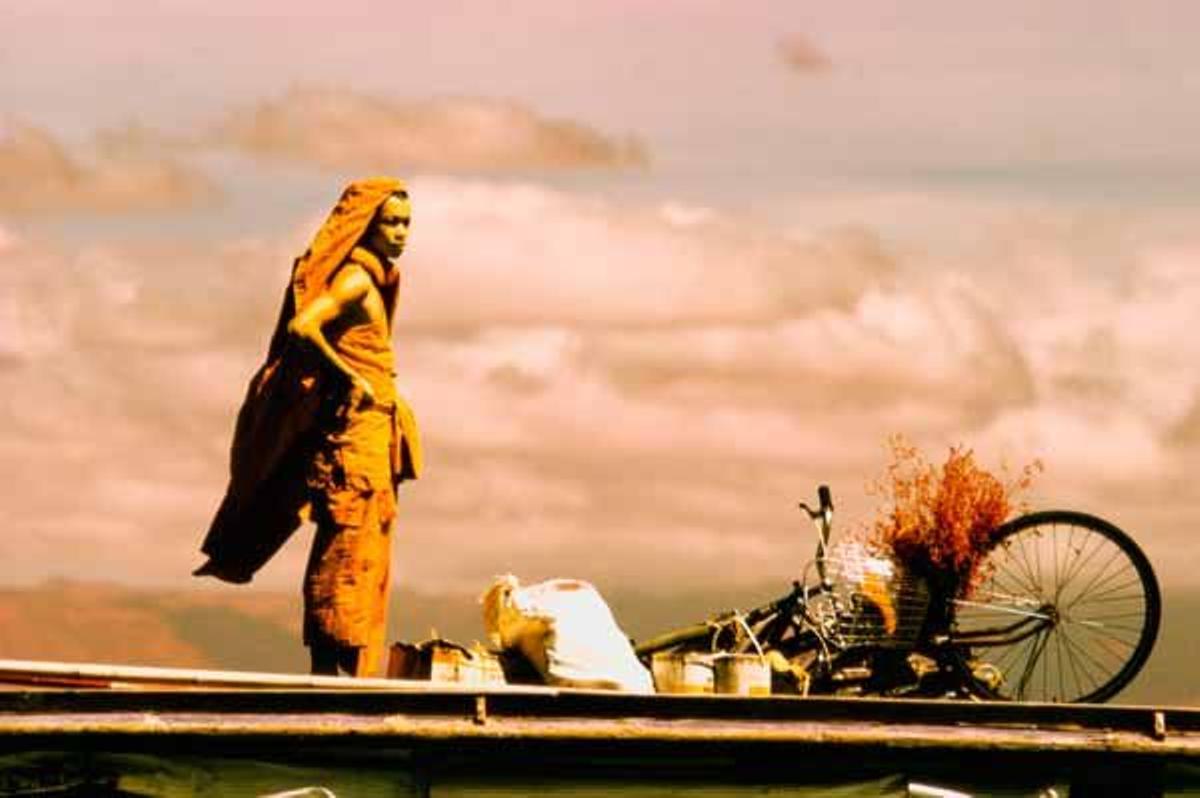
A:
18, 673
278, 707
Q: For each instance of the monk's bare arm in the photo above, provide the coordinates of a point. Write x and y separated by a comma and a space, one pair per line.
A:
348, 291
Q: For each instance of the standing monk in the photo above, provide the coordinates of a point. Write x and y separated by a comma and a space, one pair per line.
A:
324, 435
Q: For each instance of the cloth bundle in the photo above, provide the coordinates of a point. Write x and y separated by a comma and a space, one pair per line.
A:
566, 631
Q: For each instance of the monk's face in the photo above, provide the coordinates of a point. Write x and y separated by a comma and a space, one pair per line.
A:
389, 231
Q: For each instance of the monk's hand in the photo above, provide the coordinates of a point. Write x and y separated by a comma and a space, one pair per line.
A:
362, 395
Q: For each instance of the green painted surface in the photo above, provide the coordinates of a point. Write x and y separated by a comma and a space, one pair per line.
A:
124, 775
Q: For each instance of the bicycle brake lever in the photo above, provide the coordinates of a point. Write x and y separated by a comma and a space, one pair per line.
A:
812, 514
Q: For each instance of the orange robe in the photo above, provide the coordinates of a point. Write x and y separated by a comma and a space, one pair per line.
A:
281, 426
352, 482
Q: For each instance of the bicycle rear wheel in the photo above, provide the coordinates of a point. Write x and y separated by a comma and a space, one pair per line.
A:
1067, 610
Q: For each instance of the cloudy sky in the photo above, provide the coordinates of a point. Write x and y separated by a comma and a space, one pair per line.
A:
672, 265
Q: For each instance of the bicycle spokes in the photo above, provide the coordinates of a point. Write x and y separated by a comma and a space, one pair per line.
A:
1067, 610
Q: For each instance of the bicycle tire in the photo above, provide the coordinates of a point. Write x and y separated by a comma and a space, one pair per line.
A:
1116, 585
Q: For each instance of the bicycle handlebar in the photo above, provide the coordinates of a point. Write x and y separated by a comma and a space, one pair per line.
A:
823, 518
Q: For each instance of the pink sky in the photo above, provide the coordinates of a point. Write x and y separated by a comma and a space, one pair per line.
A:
970, 225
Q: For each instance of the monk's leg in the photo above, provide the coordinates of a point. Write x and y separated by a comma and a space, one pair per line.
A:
351, 659
328, 655
324, 658
347, 585
369, 658
332, 659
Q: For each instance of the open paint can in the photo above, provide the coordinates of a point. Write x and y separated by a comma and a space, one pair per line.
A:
689, 672
742, 674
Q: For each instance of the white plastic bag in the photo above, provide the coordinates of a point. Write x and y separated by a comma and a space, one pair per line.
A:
566, 631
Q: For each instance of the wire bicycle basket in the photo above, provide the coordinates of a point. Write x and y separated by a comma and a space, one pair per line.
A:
874, 599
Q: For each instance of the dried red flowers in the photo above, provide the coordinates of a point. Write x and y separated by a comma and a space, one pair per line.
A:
942, 521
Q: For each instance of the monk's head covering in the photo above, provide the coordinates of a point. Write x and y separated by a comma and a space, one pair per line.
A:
342, 230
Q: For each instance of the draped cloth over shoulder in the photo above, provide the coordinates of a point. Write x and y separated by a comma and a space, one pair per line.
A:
276, 431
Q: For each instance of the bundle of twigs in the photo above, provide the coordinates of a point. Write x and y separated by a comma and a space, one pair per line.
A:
941, 521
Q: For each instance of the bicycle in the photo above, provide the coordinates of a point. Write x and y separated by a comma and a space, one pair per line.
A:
1067, 609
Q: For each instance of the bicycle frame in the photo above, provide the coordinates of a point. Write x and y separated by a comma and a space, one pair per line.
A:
1031, 624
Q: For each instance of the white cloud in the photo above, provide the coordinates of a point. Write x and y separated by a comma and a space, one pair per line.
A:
596, 381
800, 54
346, 129
41, 176
518, 253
